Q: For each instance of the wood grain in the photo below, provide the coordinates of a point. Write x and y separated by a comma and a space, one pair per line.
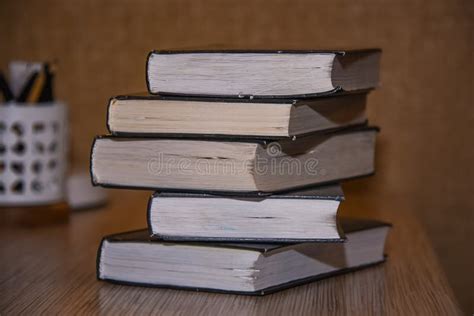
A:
51, 269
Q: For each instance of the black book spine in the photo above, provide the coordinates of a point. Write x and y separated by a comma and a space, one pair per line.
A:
99, 256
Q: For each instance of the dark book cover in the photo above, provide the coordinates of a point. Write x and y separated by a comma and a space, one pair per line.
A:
292, 101
336, 90
329, 192
264, 142
142, 236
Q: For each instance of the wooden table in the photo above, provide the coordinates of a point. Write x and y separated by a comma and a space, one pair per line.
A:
52, 269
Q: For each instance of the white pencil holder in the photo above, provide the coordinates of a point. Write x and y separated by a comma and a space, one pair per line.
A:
33, 149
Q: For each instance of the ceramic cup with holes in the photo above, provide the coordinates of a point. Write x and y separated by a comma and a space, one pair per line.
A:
33, 146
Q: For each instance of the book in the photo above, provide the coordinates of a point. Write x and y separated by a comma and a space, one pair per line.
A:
261, 73
145, 115
298, 216
232, 165
133, 259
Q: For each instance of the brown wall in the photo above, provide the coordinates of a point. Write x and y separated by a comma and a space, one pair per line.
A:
425, 106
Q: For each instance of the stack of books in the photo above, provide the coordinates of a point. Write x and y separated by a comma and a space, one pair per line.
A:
246, 150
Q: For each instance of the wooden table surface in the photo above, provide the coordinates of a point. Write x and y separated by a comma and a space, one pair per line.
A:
52, 269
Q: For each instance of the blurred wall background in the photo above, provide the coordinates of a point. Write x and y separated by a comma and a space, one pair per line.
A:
425, 105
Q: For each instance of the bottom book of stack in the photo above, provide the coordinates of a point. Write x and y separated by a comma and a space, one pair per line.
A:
245, 268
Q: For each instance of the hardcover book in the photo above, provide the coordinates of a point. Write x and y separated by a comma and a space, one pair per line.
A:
233, 165
145, 115
262, 73
132, 258
298, 216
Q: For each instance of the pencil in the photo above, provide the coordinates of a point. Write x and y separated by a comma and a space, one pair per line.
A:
37, 88
47, 93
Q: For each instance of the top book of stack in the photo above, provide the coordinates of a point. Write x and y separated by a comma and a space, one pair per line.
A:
262, 74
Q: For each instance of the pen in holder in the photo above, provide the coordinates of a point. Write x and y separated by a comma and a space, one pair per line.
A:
33, 148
